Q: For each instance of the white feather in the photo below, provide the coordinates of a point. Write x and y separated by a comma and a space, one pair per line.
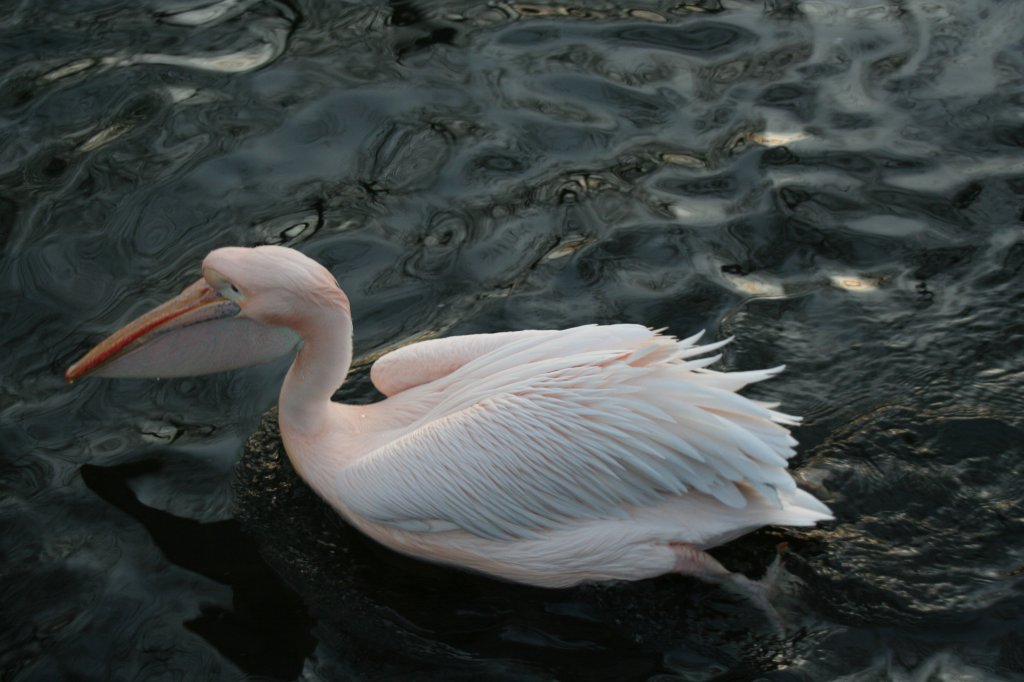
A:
554, 428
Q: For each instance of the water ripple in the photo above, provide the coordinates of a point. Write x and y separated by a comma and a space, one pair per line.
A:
836, 184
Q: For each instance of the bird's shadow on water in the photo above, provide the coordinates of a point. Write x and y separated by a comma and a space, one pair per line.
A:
305, 581
268, 630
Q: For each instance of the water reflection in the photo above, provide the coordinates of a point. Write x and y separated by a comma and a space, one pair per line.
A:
265, 630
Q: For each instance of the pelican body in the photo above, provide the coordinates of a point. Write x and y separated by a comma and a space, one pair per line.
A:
546, 457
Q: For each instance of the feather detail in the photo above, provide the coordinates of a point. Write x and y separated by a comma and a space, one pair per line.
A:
553, 428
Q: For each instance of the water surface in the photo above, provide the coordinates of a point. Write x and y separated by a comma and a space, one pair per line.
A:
838, 185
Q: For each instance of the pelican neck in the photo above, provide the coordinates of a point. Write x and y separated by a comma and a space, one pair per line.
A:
318, 371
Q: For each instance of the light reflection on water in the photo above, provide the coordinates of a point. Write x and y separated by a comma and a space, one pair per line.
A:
838, 185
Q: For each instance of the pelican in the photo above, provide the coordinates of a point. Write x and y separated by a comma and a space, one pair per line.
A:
545, 457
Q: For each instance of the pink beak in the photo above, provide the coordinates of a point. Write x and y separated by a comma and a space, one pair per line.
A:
199, 331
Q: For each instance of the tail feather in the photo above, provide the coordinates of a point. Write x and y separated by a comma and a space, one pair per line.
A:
800, 508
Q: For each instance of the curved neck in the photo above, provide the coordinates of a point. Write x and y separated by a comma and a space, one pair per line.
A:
318, 371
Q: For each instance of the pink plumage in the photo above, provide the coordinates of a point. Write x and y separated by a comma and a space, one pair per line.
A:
544, 457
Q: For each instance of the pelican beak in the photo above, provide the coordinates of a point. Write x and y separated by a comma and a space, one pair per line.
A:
197, 332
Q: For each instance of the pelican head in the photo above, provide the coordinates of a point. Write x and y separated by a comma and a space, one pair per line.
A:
273, 285
251, 306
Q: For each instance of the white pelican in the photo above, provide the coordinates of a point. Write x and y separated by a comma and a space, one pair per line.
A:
543, 457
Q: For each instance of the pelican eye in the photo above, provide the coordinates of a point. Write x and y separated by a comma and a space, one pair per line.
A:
224, 286
231, 291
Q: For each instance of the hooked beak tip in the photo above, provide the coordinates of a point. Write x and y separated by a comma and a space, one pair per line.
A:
76, 371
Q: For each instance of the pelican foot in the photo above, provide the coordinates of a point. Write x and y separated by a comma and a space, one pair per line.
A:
699, 564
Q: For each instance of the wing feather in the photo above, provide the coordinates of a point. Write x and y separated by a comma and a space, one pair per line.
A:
579, 424
425, 361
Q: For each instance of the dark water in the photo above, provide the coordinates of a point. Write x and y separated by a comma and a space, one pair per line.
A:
837, 184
